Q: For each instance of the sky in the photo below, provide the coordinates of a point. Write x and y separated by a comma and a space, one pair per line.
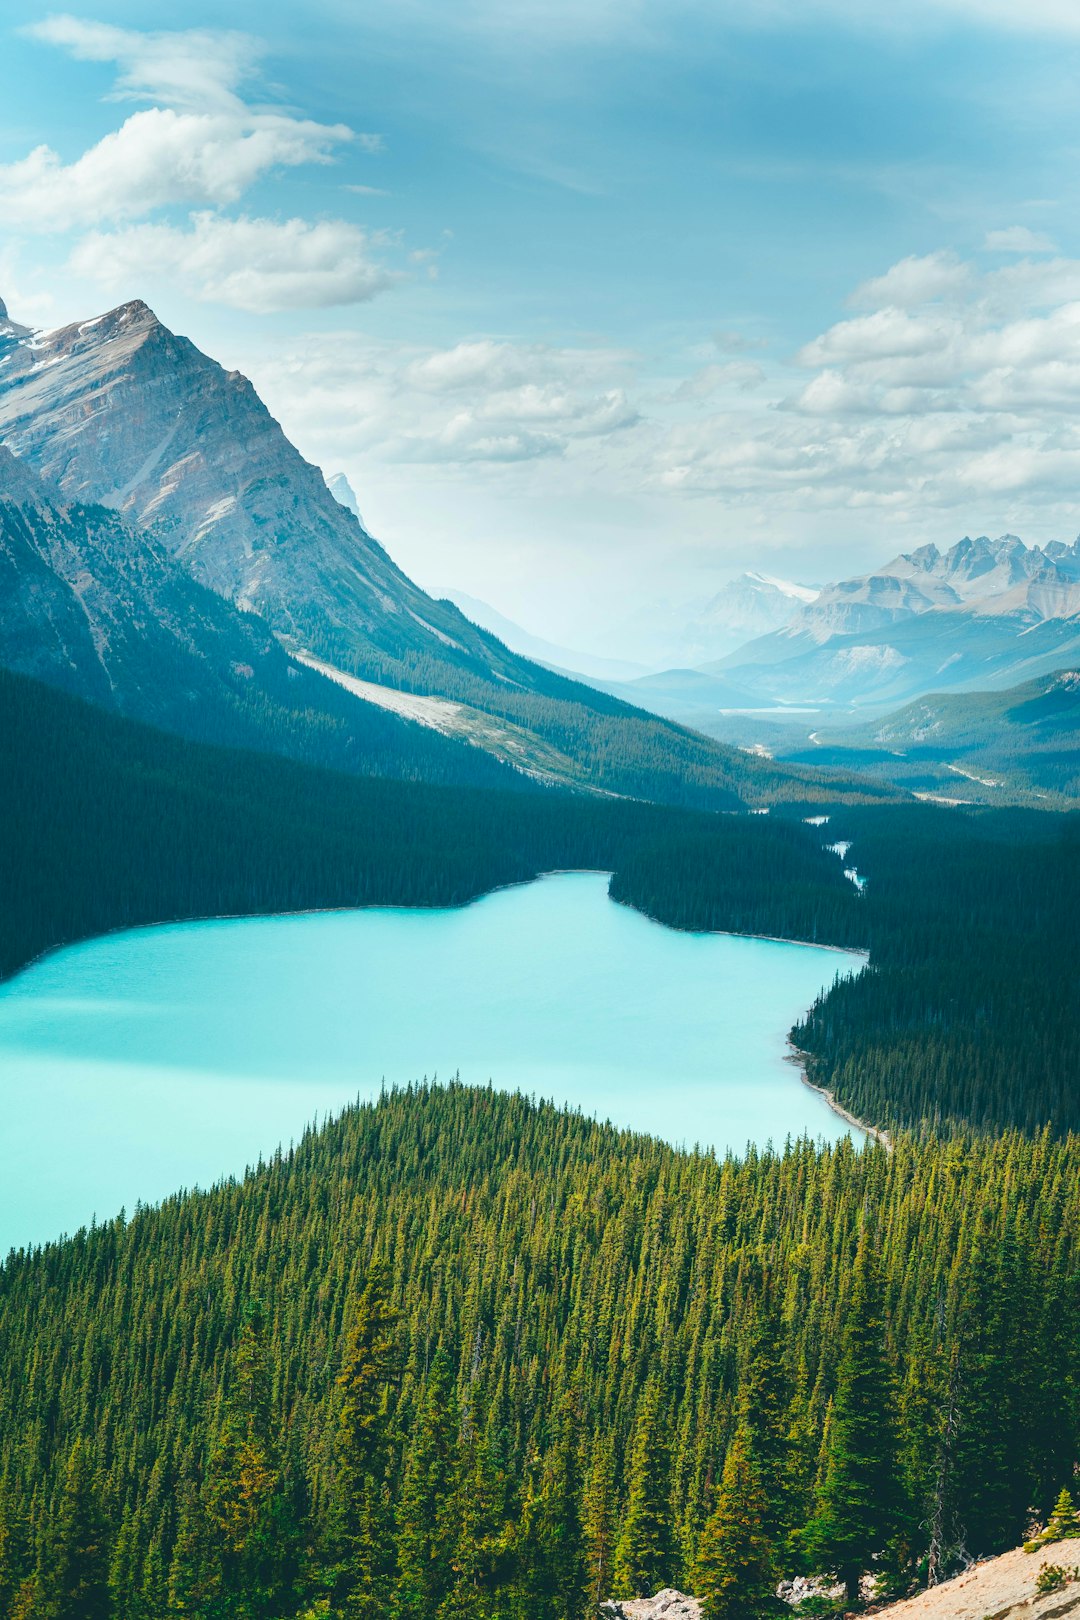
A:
596, 304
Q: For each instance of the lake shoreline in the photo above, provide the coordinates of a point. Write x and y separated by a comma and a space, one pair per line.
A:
876, 1132
460, 905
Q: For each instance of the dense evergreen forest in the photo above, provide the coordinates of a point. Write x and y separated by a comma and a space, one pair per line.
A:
969, 1011
462, 1355
105, 823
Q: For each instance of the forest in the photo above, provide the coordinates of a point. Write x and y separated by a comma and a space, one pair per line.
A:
460, 1354
965, 1016
106, 823
968, 1011
463, 1356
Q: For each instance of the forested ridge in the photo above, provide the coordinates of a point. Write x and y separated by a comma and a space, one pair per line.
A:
460, 1354
106, 823
969, 1011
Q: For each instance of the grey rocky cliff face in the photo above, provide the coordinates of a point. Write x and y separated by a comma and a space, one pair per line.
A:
102, 611
122, 412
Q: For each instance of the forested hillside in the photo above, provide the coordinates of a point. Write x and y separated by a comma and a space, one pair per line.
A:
462, 1355
105, 823
968, 1013
970, 1010
966, 1016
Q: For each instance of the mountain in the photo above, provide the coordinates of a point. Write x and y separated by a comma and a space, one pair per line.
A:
992, 747
120, 412
681, 635
984, 613
587, 665
344, 494
101, 610
750, 605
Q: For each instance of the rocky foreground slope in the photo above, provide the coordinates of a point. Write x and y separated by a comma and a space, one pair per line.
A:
1004, 1588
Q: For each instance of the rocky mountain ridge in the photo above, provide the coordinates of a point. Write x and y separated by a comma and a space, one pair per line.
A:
984, 613
101, 610
119, 412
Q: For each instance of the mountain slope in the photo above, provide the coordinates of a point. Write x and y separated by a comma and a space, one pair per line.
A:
122, 412
106, 823
1023, 742
102, 611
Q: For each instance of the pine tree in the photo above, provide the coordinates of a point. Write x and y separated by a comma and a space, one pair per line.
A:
1064, 1522
858, 1507
423, 1527
766, 1395
644, 1550
735, 1574
552, 1541
249, 1531
75, 1572
599, 1520
369, 1365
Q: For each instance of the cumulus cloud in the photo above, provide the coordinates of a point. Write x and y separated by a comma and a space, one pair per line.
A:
200, 145
260, 265
159, 157
480, 401
915, 281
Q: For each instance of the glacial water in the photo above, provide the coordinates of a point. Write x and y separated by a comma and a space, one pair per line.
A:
165, 1057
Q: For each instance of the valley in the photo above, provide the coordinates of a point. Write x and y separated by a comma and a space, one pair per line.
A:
304, 902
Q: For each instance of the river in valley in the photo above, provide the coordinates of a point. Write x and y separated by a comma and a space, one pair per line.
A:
142, 1062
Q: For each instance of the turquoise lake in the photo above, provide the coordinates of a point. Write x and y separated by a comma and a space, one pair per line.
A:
171, 1056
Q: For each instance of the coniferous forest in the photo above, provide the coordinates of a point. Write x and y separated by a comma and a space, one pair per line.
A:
462, 1355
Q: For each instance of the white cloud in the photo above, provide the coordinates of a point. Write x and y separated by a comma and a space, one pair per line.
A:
159, 157
193, 69
888, 333
481, 401
915, 281
252, 264
1019, 239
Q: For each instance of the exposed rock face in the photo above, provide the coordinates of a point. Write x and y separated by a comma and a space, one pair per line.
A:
666, 1605
92, 606
122, 412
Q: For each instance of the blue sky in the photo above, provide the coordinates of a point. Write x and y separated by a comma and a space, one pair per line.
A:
595, 303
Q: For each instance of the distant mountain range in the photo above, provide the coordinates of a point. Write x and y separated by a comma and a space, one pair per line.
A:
984, 613
159, 471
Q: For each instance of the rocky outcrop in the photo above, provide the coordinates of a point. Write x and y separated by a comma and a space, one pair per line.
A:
666, 1605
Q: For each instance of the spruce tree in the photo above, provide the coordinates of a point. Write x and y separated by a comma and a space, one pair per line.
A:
598, 1514
369, 1366
423, 1513
250, 1538
734, 1574
75, 1571
552, 1543
766, 1395
859, 1500
1064, 1523
644, 1550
